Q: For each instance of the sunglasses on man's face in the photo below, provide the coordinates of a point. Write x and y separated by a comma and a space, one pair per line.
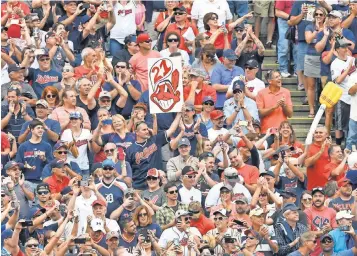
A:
173, 192
194, 212
42, 193
151, 178
108, 168
190, 176
109, 150
32, 245
326, 241
179, 13
62, 152
249, 68
44, 59
208, 103
218, 218
148, 41
105, 101
119, 66
187, 219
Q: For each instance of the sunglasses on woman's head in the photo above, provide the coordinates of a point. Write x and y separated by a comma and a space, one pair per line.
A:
51, 96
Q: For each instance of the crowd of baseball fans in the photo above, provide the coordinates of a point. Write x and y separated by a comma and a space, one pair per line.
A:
87, 169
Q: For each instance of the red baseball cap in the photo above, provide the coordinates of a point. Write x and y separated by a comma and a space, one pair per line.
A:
142, 38
216, 114
100, 202
241, 144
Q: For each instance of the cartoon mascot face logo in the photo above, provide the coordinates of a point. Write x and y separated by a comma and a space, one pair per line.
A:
164, 82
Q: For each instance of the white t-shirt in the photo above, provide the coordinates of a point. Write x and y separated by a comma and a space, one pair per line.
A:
338, 66
202, 7
166, 53
188, 196
173, 233
213, 198
353, 111
254, 86
213, 134
84, 209
125, 21
82, 145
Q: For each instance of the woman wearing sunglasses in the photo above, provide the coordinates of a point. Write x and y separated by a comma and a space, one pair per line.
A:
226, 196
173, 41
207, 108
51, 95
143, 219
313, 58
305, 200
207, 60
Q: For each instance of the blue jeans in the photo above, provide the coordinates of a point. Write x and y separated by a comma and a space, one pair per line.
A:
239, 7
115, 46
352, 134
283, 47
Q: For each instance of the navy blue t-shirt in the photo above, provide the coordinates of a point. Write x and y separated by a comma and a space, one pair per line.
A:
129, 245
353, 29
126, 214
154, 227
341, 205
296, 11
42, 79
124, 143
130, 102
191, 136
129, 171
352, 176
113, 194
295, 185
343, 9
311, 47
144, 156
114, 109
53, 125
74, 34
164, 120
29, 152
345, 32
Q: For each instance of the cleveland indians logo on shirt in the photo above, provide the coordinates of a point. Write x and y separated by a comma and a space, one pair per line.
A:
320, 221
145, 154
46, 79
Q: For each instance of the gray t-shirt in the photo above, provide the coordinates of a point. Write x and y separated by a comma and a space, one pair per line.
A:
26, 89
157, 197
24, 202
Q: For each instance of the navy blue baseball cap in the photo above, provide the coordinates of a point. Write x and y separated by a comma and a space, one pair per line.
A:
290, 207
35, 210
208, 99
238, 86
11, 164
60, 144
229, 54
6, 234
269, 173
56, 163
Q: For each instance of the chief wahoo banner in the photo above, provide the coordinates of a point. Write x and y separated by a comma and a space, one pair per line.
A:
165, 85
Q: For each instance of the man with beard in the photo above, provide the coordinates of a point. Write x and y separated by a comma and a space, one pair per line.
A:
145, 153
230, 178
43, 195
22, 188
345, 201
249, 173
342, 239
289, 230
60, 152
199, 220
130, 48
337, 168
327, 245
317, 158
111, 189
321, 219
129, 234
205, 177
43, 76
61, 114
241, 215
15, 113
34, 153
51, 127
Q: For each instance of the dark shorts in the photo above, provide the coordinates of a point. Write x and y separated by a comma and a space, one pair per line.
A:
342, 116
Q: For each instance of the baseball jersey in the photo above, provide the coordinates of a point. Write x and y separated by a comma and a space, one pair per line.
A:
29, 153
125, 142
42, 79
144, 156
113, 194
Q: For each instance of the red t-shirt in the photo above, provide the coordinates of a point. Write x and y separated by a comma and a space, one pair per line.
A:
205, 91
249, 173
14, 29
317, 218
5, 143
56, 185
329, 168
203, 224
284, 5
181, 31
81, 71
314, 172
219, 43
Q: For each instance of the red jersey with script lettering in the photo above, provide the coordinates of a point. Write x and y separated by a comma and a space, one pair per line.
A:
144, 156
317, 218
314, 172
